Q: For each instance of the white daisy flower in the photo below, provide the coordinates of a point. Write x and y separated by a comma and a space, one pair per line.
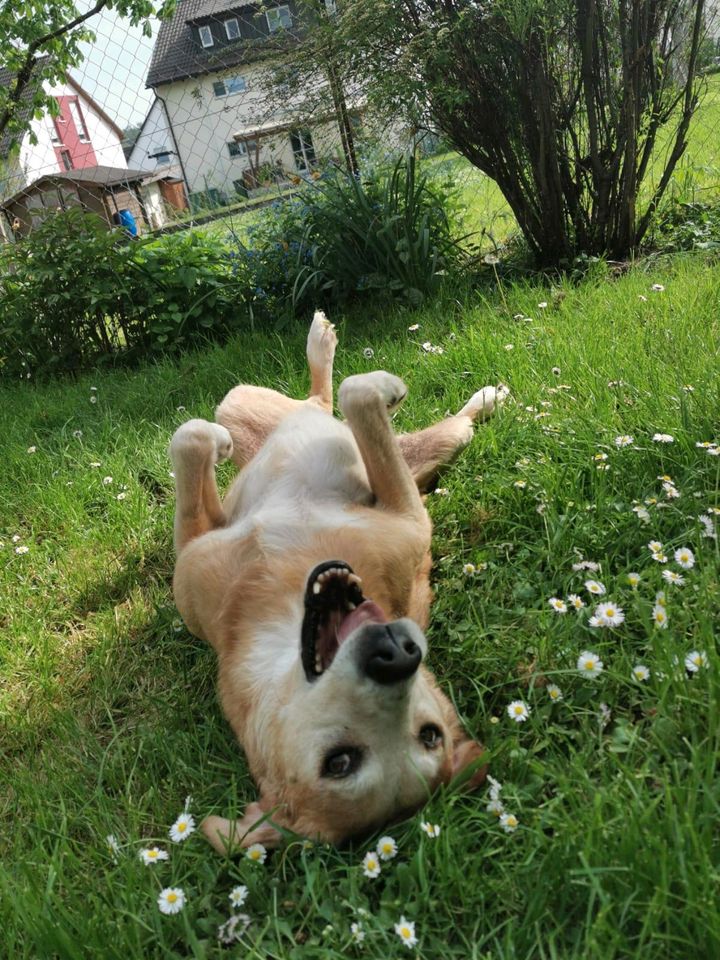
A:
413, 327
182, 828
93, 398
642, 298
429, 348
22, 549
704, 444
441, 492
708, 525
595, 587
688, 388
660, 598
659, 615
657, 288
368, 353
495, 787
600, 457
32, 449
406, 931
671, 491
696, 660
520, 484
640, 672
256, 852
713, 451
371, 864
15, 538
112, 844
624, 440
386, 848
556, 371
234, 927
554, 692
518, 711
559, 606
171, 900
107, 481
542, 304
589, 664
357, 933
468, 569
575, 601
663, 438
509, 822
609, 614
121, 496
586, 565
605, 715
496, 808
672, 577
77, 434
633, 578
654, 546
642, 513
93, 389
238, 896
685, 558
152, 855
660, 557
431, 829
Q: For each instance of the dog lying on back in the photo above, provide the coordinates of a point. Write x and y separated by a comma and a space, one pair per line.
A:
310, 580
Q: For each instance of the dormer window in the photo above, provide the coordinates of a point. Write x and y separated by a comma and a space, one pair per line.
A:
228, 86
279, 18
206, 37
232, 28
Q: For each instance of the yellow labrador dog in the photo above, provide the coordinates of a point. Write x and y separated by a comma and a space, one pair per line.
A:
310, 580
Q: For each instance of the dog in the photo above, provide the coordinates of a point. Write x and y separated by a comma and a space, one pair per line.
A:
311, 582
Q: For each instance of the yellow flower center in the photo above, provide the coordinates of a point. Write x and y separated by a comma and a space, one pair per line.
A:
589, 665
182, 826
405, 933
152, 854
172, 897
518, 710
553, 694
511, 822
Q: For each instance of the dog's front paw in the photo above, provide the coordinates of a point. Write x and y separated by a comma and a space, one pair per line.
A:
366, 387
321, 341
483, 404
201, 440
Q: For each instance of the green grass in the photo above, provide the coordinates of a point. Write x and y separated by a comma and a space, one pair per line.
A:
108, 715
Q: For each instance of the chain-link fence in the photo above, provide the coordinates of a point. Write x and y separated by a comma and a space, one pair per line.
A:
185, 126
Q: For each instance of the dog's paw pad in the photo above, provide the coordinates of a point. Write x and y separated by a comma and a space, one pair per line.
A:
201, 440
485, 402
321, 341
365, 386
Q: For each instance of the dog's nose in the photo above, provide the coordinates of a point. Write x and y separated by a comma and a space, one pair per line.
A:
388, 654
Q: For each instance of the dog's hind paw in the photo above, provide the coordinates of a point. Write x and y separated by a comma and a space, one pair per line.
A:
321, 341
483, 404
199, 440
362, 387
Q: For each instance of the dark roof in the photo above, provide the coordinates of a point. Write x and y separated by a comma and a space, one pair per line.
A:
178, 55
24, 112
89, 176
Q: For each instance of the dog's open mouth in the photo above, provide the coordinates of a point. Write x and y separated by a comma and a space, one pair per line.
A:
334, 608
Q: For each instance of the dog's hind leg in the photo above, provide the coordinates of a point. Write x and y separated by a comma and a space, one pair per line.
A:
252, 413
195, 448
427, 451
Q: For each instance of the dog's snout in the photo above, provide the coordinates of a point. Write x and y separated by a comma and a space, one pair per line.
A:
388, 654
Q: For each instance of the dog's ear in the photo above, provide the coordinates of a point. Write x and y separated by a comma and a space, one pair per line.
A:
231, 836
467, 770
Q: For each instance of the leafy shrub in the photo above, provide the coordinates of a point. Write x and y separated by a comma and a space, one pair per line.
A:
74, 293
689, 226
386, 233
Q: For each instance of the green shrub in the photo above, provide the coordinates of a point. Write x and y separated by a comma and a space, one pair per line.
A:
386, 233
74, 293
688, 226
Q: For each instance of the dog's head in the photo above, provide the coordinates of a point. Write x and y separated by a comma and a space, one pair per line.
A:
364, 736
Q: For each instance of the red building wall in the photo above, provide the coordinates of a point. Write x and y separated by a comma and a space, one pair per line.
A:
74, 143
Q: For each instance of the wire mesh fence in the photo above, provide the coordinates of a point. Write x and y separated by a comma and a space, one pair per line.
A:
185, 125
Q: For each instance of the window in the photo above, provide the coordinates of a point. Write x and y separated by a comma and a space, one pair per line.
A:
223, 88
279, 18
79, 121
241, 148
232, 29
206, 37
66, 159
303, 150
53, 131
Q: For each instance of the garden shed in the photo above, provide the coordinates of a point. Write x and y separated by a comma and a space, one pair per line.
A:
102, 190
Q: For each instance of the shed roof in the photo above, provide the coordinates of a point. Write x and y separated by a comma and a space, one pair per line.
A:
101, 176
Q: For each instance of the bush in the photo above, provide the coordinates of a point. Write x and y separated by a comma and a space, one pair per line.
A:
386, 233
689, 226
74, 293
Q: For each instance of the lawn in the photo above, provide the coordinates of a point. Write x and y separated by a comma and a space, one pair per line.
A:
108, 712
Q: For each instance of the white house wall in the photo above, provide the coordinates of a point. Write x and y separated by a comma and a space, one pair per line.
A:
155, 137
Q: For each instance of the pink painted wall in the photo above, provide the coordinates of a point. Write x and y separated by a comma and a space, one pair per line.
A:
81, 151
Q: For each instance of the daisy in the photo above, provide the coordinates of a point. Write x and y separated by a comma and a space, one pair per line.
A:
589, 664
659, 615
112, 844
429, 348
556, 371
704, 444
657, 288
633, 579
107, 481
368, 353
671, 491
442, 492
171, 900
559, 606
152, 855
357, 933
685, 558
642, 513
709, 526
518, 711
495, 787
496, 808
586, 565
660, 557
468, 569
600, 456
509, 346
238, 896
182, 828
688, 388
605, 715
672, 577
431, 829
554, 692
595, 587
256, 852
371, 865
32, 449
695, 660
663, 438
93, 398
713, 451
228, 932
509, 822
520, 484
624, 440
542, 304
22, 549
609, 615
640, 672
386, 848
575, 601
413, 327
654, 546
77, 434
121, 496
406, 931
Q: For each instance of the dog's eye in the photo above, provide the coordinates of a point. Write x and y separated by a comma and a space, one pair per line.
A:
341, 763
431, 736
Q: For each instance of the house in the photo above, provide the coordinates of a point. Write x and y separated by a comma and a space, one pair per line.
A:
228, 127
155, 151
81, 135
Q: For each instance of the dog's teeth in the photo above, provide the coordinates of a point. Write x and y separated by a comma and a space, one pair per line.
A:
318, 663
316, 587
354, 578
351, 606
322, 577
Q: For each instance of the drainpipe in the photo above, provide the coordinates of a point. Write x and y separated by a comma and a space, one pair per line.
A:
175, 144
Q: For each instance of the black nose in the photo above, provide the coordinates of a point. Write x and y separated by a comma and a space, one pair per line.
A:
388, 654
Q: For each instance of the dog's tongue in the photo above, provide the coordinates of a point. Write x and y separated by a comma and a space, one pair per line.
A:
367, 611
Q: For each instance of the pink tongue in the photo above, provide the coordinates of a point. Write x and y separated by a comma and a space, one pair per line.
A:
366, 612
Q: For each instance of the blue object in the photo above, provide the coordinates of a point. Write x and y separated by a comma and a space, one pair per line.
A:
127, 220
